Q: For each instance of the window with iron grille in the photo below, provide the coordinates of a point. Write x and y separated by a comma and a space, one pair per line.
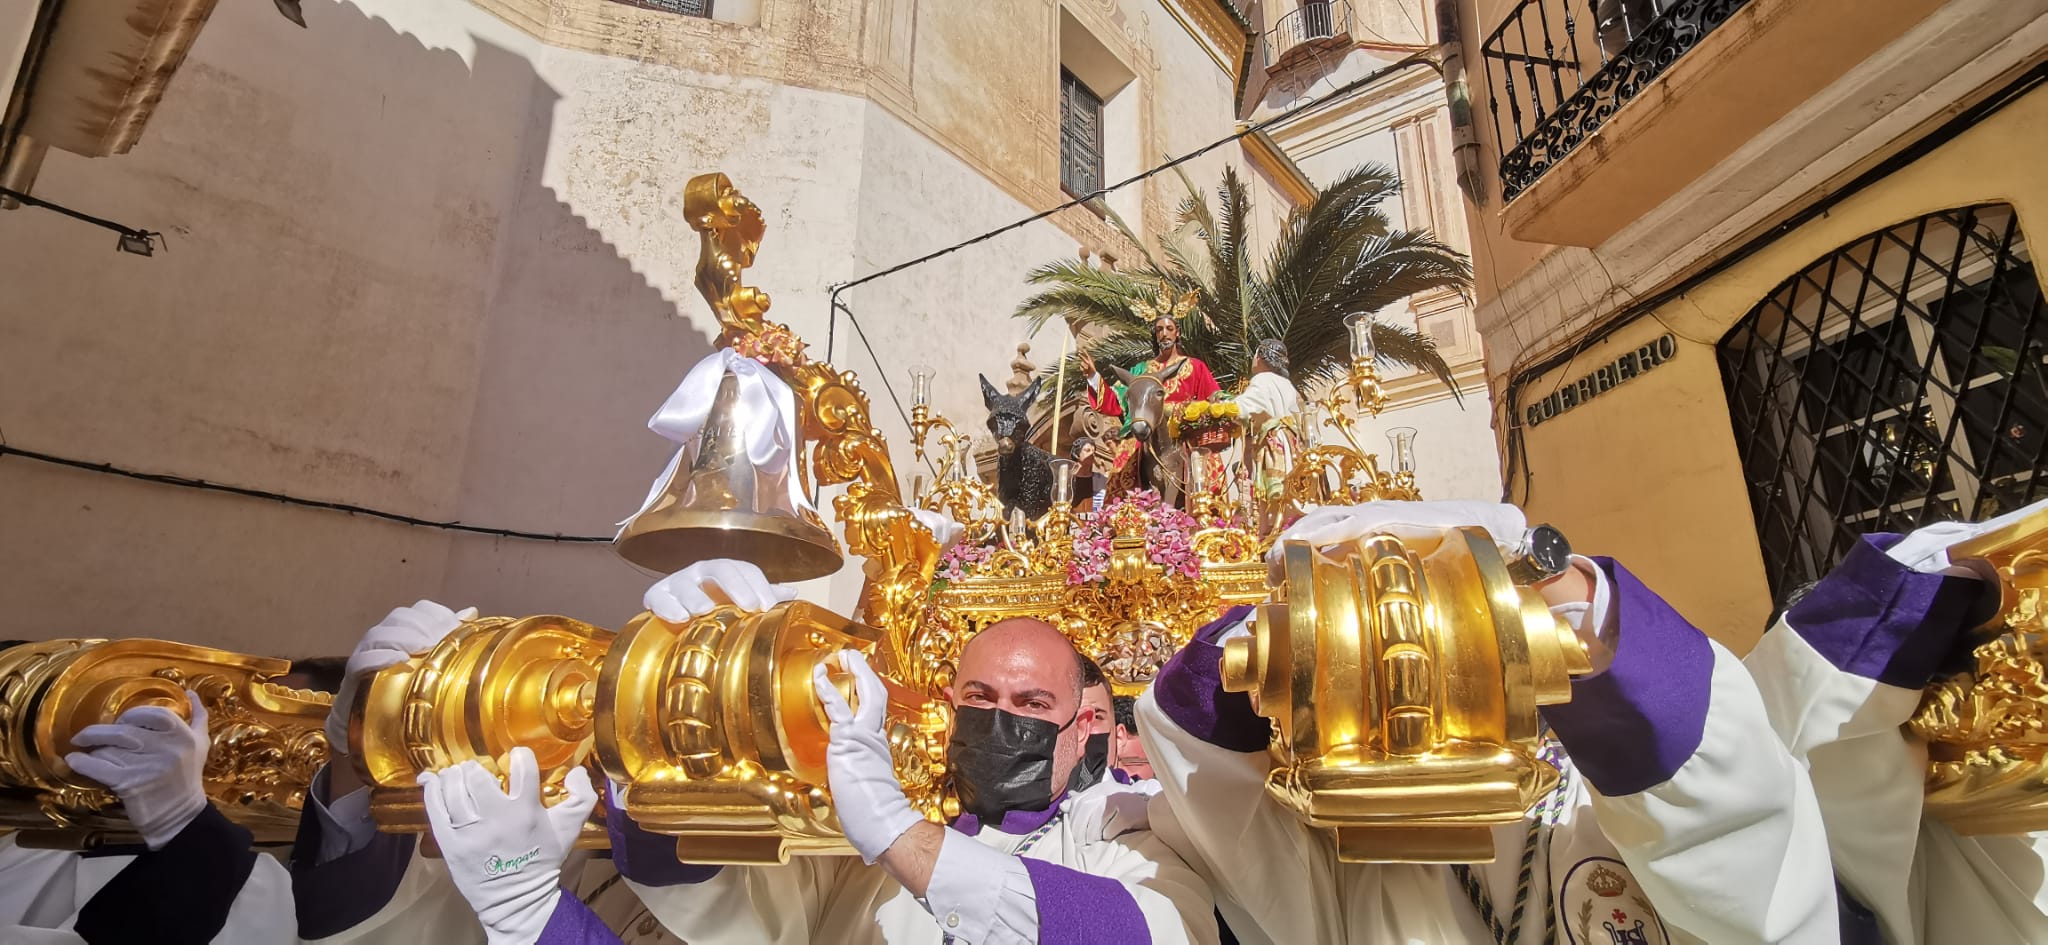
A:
701, 8
1898, 381
1080, 137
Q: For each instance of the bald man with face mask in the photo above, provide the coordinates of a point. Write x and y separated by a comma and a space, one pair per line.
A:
1035, 857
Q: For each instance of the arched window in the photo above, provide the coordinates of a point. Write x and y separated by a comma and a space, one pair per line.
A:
1898, 380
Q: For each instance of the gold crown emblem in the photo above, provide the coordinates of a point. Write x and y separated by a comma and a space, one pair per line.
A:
1606, 882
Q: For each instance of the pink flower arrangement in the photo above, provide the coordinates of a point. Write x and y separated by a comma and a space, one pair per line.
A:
963, 561
1169, 538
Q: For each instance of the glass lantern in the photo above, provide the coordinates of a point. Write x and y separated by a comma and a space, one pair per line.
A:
1402, 441
1359, 327
921, 384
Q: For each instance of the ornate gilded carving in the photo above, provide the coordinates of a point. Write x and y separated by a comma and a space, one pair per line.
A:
267, 739
493, 684
1403, 683
845, 446
715, 727
1987, 726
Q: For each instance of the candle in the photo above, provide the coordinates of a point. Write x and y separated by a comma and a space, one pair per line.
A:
1059, 392
1063, 482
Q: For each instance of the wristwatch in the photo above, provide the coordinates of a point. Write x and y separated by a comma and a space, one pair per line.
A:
1542, 554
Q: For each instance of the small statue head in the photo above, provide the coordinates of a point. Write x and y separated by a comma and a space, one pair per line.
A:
1009, 418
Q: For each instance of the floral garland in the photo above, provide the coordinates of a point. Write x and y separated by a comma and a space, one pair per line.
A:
1201, 415
1169, 538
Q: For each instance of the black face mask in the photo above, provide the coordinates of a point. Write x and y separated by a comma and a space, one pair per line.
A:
1002, 761
1094, 764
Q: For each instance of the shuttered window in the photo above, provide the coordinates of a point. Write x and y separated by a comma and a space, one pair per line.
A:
699, 8
1080, 137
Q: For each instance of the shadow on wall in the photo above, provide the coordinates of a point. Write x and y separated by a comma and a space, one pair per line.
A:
370, 297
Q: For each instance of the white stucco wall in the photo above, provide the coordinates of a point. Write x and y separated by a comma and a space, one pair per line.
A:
420, 262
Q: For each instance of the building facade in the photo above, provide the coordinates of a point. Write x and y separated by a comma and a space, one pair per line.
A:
1310, 51
426, 257
1755, 276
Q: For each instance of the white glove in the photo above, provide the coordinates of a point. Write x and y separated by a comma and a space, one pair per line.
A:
153, 761
504, 850
1926, 549
941, 525
698, 589
400, 634
1343, 524
870, 803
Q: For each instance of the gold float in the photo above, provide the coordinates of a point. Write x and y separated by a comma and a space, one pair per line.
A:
1405, 680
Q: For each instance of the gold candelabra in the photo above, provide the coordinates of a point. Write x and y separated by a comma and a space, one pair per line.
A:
1357, 474
1365, 372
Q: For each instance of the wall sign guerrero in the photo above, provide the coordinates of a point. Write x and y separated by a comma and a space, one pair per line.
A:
1602, 380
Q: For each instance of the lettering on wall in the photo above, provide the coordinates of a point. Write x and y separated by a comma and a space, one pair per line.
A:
1601, 380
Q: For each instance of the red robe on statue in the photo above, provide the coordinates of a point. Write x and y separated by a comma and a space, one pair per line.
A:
1193, 382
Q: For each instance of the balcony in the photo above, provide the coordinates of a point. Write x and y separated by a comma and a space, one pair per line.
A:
1606, 109
1579, 62
1316, 26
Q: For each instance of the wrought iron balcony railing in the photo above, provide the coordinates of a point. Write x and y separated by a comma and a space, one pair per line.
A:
1563, 67
1314, 20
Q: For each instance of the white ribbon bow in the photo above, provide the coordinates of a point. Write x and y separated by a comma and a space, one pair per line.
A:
766, 411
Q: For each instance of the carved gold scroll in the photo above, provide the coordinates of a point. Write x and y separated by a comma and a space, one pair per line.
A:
845, 446
716, 729
491, 685
267, 740
1403, 683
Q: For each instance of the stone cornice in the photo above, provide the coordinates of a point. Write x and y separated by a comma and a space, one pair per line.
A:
1405, 95
1218, 27
1265, 154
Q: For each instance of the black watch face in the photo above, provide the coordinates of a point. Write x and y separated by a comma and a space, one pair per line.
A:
1548, 549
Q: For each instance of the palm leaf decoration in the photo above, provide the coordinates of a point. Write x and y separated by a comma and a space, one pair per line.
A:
1336, 257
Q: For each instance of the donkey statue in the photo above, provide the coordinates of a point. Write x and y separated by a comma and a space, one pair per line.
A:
1023, 471
1161, 462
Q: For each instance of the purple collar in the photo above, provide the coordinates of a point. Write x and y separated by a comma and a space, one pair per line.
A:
1121, 776
1014, 822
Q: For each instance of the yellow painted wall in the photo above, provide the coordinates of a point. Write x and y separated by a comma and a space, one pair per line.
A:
1648, 471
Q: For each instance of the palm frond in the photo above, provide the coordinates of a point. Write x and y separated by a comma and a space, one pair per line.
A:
1086, 295
1337, 257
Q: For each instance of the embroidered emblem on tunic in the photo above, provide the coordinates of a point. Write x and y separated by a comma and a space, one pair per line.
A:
1602, 904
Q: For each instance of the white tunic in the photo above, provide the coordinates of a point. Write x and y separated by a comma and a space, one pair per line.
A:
1840, 674
1267, 397
981, 890
1708, 834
